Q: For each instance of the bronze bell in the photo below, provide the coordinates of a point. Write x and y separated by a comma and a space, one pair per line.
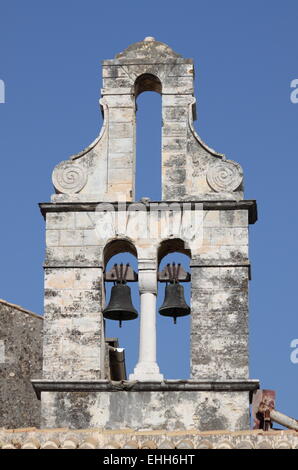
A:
174, 304
120, 306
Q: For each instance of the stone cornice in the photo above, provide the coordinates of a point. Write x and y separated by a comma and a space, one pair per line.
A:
146, 61
249, 205
135, 386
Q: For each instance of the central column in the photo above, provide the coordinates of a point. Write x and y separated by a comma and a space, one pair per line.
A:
147, 368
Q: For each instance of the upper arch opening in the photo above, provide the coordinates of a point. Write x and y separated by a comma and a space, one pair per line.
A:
147, 82
116, 247
172, 245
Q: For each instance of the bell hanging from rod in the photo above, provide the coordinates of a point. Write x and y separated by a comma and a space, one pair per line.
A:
120, 307
174, 304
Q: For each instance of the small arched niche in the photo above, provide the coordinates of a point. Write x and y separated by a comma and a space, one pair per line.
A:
148, 136
116, 247
123, 251
172, 245
174, 362
147, 82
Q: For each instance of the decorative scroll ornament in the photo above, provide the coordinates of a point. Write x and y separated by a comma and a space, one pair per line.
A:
225, 175
69, 177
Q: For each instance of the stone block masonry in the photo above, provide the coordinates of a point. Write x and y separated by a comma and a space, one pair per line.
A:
20, 361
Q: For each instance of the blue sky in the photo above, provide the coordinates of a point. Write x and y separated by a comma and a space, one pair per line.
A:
245, 57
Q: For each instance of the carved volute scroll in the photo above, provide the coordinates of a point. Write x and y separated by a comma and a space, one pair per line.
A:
69, 177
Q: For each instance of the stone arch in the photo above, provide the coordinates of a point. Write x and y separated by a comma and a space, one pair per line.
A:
117, 246
172, 245
121, 250
148, 171
147, 82
169, 358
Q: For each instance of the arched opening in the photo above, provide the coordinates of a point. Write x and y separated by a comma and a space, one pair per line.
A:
118, 246
117, 252
171, 246
174, 354
147, 82
148, 137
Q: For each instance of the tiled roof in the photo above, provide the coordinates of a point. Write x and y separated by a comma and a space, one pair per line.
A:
32, 438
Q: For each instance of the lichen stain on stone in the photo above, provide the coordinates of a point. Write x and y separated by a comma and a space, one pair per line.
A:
177, 176
50, 293
72, 409
208, 416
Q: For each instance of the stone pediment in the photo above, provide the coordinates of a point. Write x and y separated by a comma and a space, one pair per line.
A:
191, 170
149, 48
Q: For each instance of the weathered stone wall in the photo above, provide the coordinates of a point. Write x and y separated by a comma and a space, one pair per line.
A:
219, 298
74, 339
219, 268
20, 361
73, 333
147, 410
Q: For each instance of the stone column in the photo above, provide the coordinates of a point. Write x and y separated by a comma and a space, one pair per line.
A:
176, 168
147, 368
121, 143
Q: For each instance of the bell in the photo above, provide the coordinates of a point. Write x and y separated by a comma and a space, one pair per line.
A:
174, 304
120, 306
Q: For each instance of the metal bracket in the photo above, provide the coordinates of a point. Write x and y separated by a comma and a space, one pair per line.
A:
121, 273
173, 273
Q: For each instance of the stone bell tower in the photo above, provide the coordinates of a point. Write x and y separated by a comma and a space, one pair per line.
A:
93, 216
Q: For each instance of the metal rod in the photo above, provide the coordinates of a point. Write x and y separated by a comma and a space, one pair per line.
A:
177, 273
284, 420
125, 272
169, 271
174, 272
117, 272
